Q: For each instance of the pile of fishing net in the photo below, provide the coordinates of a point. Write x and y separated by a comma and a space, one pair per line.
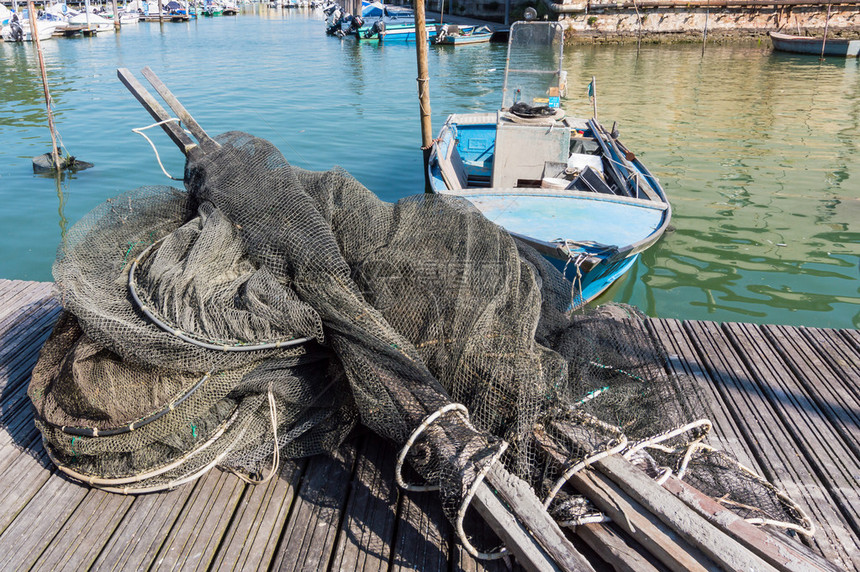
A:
266, 310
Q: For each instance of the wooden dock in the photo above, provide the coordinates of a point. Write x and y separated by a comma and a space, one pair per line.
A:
785, 401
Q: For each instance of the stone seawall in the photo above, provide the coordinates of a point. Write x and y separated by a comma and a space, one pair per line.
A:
684, 23
671, 20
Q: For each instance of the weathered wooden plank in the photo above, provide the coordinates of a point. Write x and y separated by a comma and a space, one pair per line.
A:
528, 531
683, 359
142, 531
26, 325
852, 337
778, 458
31, 322
15, 369
38, 522
617, 549
664, 543
10, 290
199, 527
311, 533
206, 142
722, 548
829, 387
22, 480
82, 538
424, 536
370, 515
480, 535
20, 294
770, 547
252, 538
22, 301
823, 447
843, 358
155, 109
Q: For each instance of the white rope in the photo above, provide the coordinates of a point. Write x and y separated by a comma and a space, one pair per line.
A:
113, 484
140, 131
591, 518
401, 457
464, 506
691, 446
617, 448
276, 454
807, 527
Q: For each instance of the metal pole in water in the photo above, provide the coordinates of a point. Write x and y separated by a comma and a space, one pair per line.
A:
421, 49
34, 32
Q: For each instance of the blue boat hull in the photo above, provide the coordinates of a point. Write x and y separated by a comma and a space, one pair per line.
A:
814, 46
594, 238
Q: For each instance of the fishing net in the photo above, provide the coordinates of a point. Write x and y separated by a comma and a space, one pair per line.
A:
265, 310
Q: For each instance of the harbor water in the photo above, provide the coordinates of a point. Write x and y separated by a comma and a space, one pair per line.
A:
759, 152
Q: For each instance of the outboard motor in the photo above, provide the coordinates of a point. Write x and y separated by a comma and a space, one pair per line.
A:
17, 30
336, 20
344, 25
377, 28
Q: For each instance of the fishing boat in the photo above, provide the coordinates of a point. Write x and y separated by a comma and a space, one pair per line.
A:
20, 30
844, 47
562, 184
211, 9
453, 35
398, 32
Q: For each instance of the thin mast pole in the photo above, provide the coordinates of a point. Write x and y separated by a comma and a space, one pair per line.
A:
423, 85
34, 32
826, 24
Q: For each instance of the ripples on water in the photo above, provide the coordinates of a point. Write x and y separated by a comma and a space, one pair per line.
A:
758, 152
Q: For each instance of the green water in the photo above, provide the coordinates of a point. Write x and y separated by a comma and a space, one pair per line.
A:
758, 152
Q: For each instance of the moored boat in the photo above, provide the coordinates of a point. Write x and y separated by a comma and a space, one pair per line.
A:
564, 185
453, 35
398, 32
844, 47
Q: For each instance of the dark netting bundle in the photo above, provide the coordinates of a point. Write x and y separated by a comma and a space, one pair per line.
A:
266, 310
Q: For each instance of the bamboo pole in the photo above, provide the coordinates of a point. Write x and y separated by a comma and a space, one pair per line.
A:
421, 50
34, 32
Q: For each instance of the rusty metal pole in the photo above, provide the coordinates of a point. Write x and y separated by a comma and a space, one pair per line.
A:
421, 50
34, 33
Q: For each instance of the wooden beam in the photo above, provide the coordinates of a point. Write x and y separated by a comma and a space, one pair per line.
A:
655, 537
616, 548
206, 142
722, 548
176, 134
767, 546
532, 536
